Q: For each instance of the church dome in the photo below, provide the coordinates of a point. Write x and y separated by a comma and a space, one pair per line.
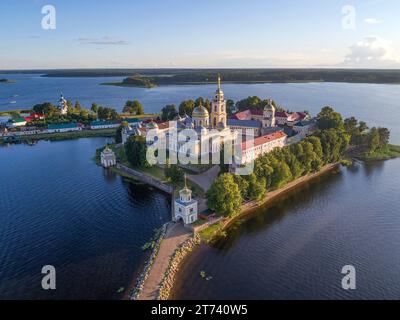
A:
200, 112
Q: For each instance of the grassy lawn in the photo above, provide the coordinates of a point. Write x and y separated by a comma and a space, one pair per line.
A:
211, 232
389, 152
153, 171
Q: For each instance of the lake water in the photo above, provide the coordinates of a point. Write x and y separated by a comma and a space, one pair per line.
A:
58, 208
376, 104
295, 248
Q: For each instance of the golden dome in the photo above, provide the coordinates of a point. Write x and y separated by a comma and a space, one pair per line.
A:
200, 112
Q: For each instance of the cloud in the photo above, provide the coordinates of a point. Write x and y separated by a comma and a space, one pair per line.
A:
103, 41
372, 52
372, 21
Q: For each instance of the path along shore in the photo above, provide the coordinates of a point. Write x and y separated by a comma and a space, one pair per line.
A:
177, 235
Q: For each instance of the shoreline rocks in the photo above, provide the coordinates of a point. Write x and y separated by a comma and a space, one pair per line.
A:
136, 291
174, 264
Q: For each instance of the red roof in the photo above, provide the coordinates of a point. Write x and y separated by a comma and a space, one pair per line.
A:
295, 116
246, 115
282, 114
34, 116
265, 139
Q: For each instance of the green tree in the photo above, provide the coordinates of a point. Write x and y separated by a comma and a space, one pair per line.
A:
257, 188
384, 136
78, 106
136, 149
224, 196
45, 108
373, 139
94, 107
186, 107
328, 119
169, 112
243, 185
174, 173
281, 174
133, 107
118, 133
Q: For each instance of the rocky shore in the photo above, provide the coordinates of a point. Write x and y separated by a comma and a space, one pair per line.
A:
135, 293
174, 264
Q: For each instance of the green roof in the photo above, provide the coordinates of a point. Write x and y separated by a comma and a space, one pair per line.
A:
131, 120
62, 126
17, 120
103, 123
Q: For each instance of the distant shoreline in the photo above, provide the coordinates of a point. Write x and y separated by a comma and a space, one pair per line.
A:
161, 77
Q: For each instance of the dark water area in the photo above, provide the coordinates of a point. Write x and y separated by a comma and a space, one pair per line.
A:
295, 248
58, 208
377, 104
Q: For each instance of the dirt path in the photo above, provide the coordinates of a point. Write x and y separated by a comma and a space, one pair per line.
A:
176, 234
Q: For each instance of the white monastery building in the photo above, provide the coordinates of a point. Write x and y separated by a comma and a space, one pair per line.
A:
262, 145
269, 129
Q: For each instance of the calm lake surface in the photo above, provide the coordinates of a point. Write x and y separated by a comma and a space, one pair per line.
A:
376, 104
295, 248
58, 208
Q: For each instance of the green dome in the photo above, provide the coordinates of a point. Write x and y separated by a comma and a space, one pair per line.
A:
152, 125
200, 112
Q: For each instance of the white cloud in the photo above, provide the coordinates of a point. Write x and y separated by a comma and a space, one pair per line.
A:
373, 21
372, 52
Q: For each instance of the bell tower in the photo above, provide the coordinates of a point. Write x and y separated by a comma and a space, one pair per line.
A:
269, 119
218, 108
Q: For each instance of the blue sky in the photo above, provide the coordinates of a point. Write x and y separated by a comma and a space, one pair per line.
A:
194, 33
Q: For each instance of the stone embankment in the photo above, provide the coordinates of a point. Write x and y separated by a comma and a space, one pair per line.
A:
146, 179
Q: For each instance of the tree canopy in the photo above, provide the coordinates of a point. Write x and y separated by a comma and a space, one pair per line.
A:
135, 150
224, 196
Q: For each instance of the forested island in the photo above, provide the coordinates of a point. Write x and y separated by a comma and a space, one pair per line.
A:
6, 81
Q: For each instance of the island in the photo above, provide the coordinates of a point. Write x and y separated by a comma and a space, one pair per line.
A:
134, 81
7, 81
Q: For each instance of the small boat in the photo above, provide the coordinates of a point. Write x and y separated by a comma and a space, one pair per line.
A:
12, 102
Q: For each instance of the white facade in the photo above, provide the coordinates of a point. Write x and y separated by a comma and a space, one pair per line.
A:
108, 158
185, 207
262, 145
218, 108
104, 126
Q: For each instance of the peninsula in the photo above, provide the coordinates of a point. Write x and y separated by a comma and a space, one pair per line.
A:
289, 149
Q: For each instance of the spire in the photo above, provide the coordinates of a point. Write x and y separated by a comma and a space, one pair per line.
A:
185, 181
219, 81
